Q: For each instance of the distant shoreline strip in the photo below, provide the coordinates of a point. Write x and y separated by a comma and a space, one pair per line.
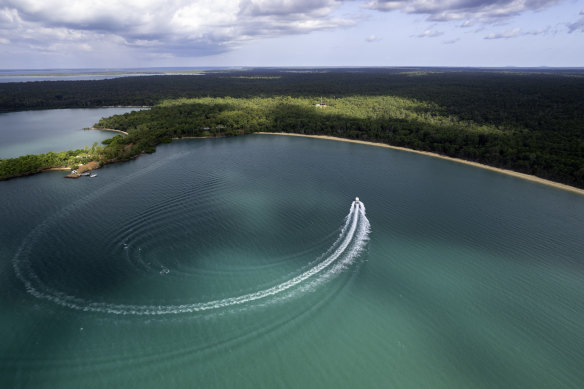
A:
523, 176
109, 129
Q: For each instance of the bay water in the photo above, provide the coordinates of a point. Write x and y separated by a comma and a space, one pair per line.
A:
245, 262
37, 132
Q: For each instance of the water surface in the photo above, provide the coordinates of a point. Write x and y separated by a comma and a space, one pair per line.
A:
467, 278
36, 132
32, 75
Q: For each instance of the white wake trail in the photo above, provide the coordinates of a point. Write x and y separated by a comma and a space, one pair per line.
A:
352, 239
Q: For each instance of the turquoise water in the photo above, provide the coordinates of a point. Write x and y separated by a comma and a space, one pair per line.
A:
243, 262
36, 132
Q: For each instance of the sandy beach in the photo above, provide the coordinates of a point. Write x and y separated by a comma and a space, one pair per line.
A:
109, 129
475, 164
198, 137
57, 169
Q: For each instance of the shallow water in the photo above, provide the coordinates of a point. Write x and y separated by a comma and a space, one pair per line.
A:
241, 262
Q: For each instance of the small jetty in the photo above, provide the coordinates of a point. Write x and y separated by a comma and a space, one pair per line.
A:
73, 174
84, 170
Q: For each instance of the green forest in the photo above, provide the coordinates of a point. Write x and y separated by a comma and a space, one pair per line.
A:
528, 122
30, 164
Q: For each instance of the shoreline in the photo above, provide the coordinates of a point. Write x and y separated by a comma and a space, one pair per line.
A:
56, 169
89, 166
508, 172
199, 137
109, 129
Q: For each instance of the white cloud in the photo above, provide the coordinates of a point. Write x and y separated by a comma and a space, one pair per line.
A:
200, 27
429, 34
505, 34
515, 32
8, 15
446, 10
196, 28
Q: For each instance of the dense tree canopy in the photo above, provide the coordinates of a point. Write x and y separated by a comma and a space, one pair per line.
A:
393, 120
529, 122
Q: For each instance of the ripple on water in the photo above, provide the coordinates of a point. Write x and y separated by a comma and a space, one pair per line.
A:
151, 256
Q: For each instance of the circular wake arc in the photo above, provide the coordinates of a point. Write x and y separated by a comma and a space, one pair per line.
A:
351, 241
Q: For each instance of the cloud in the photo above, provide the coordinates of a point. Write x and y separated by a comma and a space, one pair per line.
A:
577, 25
451, 41
447, 10
429, 34
516, 32
184, 27
196, 28
505, 34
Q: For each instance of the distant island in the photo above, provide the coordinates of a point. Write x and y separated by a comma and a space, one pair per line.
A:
528, 122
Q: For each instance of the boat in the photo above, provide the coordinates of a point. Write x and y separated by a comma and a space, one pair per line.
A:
93, 175
85, 174
357, 200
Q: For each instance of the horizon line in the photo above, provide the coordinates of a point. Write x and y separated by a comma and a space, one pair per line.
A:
113, 69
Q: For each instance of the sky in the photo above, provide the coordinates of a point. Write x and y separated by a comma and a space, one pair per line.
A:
43, 34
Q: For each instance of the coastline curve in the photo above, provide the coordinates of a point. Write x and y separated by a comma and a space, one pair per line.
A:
523, 176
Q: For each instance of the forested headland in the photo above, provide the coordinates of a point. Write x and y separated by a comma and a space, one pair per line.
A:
527, 122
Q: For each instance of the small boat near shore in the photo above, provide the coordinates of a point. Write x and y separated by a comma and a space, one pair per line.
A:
93, 175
